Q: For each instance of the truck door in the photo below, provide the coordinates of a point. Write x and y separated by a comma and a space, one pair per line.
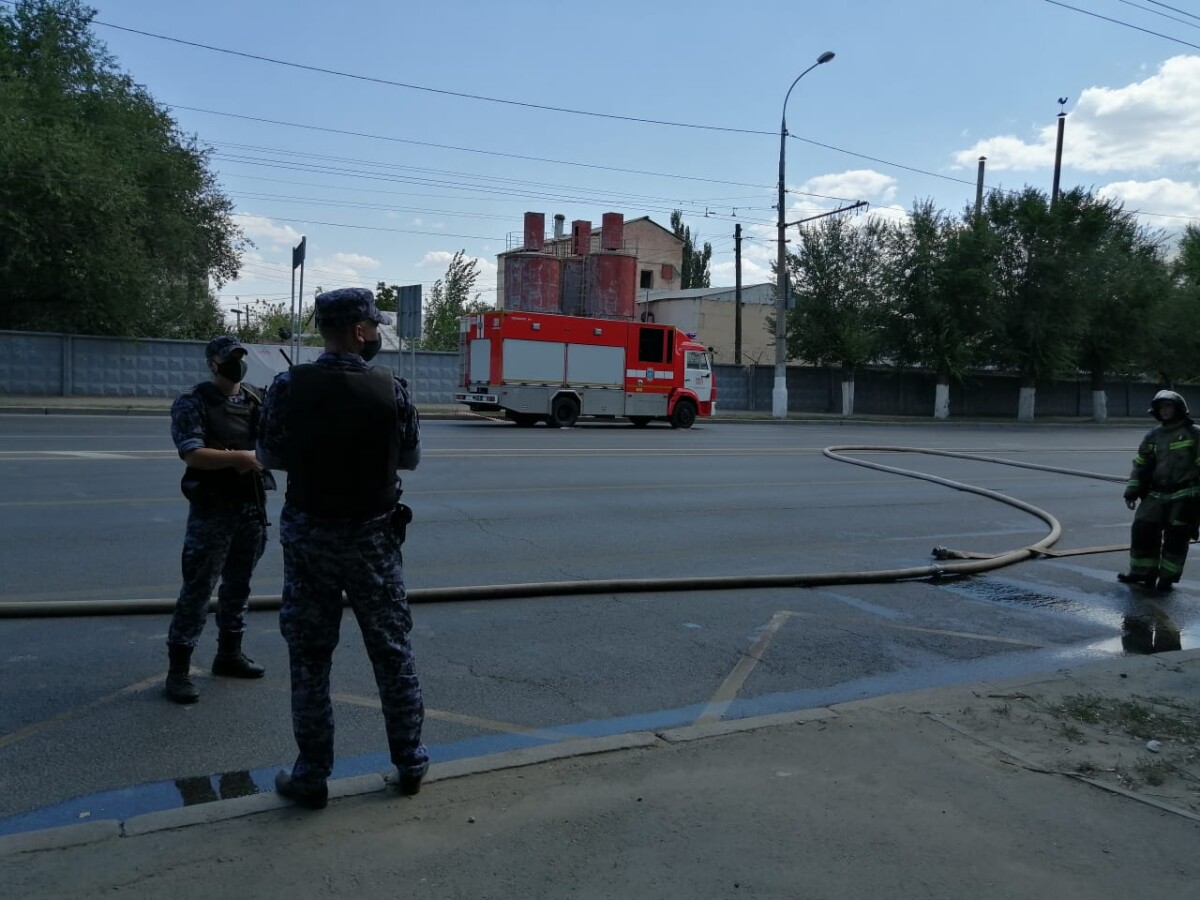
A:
697, 375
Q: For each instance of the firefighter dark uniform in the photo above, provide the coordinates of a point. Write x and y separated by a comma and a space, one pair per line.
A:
342, 429
226, 526
1166, 481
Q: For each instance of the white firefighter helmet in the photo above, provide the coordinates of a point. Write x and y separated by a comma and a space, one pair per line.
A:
1168, 397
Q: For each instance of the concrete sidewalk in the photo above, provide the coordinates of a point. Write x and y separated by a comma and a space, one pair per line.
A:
1085, 783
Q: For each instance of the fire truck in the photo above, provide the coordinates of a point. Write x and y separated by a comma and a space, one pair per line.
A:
543, 367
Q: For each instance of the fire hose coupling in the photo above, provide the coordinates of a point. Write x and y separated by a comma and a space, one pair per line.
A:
941, 553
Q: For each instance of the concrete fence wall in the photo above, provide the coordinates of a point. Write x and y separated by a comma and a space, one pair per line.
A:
67, 365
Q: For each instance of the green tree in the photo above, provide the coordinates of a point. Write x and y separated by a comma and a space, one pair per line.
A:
111, 222
695, 272
1117, 272
937, 276
1036, 315
1172, 348
837, 280
449, 299
387, 296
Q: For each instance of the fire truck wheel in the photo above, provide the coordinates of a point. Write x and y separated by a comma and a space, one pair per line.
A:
684, 414
564, 412
640, 421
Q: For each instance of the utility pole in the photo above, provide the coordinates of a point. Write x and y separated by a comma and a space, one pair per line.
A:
1062, 124
979, 188
737, 294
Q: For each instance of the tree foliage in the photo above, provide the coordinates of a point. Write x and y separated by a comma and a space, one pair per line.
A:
838, 284
937, 277
695, 273
111, 222
449, 299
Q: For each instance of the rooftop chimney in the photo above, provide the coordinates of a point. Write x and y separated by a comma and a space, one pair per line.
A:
560, 226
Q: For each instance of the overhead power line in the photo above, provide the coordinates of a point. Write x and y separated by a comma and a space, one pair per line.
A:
465, 95
1159, 13
1174, 9
1095, 15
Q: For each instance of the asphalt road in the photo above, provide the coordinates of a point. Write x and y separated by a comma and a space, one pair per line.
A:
90, 509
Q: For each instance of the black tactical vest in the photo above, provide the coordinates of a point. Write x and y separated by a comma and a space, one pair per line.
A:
228, 425
342, 442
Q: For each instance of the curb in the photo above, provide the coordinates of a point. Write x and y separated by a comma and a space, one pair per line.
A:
223, 810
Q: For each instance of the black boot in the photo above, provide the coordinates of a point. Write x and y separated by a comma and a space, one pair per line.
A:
180, 686
408, 779
231, 662
314, 796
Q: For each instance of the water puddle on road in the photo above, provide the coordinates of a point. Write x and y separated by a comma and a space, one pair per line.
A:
1142, 621
1002, 592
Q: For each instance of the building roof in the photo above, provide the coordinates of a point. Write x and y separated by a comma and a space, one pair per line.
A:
596, 230
696, 293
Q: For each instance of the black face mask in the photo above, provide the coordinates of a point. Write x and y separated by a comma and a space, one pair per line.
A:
371, 349
232, 369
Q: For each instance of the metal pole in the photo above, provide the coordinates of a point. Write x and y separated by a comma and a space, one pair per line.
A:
979, 188
737, 294
291, 336
1062, 124
299, 322
779, 394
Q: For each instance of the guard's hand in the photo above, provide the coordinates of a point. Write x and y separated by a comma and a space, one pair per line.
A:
1131, 504
245, 461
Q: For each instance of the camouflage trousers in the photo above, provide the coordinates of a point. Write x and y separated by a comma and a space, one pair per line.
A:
321, 559
224, 543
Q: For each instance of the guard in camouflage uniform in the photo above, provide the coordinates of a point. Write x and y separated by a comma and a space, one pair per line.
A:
215, 428
342, 429
1166, 479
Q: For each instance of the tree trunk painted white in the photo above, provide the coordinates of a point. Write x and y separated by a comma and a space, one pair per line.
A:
1100, 406
848, 397
1025, 405
941, 402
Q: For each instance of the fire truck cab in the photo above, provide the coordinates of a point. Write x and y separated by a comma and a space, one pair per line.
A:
537, 367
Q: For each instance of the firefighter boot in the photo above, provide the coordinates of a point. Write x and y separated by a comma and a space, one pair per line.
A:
180, 687
231, 662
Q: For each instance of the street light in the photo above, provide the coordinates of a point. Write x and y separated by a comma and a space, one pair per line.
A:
779, 395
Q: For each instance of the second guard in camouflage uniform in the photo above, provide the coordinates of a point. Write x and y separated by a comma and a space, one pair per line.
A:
342, 429
1166, 479
215, 429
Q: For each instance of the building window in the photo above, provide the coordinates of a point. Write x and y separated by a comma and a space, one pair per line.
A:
647, 279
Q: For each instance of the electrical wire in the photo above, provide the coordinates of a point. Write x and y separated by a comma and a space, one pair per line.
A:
1096, 15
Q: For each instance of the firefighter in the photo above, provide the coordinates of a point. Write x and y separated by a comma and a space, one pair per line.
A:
341, 429
1166, 479
215, 428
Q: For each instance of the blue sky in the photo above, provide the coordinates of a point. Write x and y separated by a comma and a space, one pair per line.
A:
917, 84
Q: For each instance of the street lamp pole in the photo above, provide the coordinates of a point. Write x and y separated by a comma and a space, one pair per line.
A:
779, 395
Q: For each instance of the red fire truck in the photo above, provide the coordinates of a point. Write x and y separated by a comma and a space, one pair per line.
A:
541, 367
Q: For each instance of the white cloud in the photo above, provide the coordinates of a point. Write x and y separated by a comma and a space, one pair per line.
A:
436, 258
855, 184
262, 230
346, 266
1141, 127
356, 260
1170, 198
